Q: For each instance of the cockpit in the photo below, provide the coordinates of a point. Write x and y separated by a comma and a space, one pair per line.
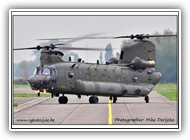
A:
47, 70
44, 71
43, 77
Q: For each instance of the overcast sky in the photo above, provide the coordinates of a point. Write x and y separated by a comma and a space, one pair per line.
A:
29, 28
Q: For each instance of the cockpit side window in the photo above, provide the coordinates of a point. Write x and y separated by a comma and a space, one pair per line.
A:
35, 71
40, 71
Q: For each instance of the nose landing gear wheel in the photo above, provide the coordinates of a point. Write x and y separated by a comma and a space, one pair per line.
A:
63, 100
93, 100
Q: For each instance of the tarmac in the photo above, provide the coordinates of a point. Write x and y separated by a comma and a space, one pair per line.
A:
127, 111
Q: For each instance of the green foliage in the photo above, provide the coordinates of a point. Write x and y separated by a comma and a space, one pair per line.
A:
30, 95
20, 82
21, 86
167, 90
15, 105
166, 56
23, 70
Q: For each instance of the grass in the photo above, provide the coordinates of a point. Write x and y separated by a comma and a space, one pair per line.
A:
15, 105
30, 95
21, 86
168, 90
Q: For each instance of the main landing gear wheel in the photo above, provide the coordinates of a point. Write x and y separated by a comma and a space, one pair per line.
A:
93, 100
146, 98
63, 100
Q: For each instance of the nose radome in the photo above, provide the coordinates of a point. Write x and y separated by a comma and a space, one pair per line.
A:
39, 81
32, 80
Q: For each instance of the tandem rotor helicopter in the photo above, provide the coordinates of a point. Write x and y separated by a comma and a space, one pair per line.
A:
132, 75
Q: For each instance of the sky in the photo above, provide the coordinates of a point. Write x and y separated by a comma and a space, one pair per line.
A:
27, 29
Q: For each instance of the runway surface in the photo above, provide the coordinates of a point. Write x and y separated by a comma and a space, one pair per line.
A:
46, 110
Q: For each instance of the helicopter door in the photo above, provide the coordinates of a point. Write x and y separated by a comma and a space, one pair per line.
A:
71, 78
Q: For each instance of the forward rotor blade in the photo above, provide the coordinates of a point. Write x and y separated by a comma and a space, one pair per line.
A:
138, 36
81, 49
73, 39
30, 48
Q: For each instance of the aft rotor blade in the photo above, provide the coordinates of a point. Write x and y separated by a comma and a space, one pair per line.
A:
73, 39
76, 39
142, 36
138, 36
159, 35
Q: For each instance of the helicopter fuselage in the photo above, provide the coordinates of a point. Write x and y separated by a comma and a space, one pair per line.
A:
105, 80
96, 79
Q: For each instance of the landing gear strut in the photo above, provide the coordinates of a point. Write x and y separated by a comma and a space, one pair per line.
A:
110, 98
146, 98
63, 99
79, 96
38, 94
114, 99
93, 100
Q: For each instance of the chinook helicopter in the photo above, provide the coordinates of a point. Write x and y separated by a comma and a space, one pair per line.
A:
132, 75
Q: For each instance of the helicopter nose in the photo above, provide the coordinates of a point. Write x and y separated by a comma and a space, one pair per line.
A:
39, 81
33, 81
46, 80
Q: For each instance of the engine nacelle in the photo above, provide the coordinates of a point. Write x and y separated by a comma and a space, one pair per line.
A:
138, 63
113, 61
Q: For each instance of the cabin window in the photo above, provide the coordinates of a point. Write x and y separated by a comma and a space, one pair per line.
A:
70, 75
119, 78
135, 78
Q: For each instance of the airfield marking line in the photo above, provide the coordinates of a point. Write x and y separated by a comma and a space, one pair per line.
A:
109, 112
129, 111
30, 104
71, 113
